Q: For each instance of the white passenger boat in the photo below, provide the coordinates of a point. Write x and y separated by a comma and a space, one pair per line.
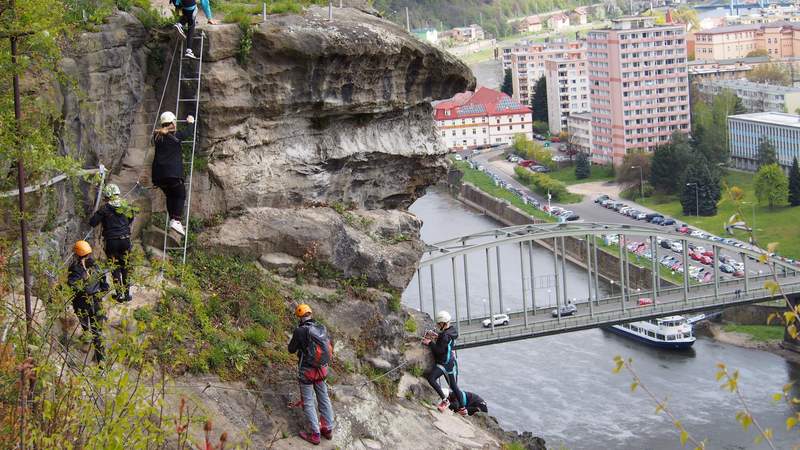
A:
673, 332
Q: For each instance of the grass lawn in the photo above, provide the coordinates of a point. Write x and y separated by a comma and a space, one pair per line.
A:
474, 58
486, 184
771, 225
760, 333
566, 175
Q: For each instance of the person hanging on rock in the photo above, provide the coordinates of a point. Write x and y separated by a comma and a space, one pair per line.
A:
116, 217
472, 403
167, 171
314, 349
441, 343
188, 12
88, 285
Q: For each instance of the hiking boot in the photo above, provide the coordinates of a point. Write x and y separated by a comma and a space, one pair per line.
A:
177, 226
326, 433
462, 411
179, 27
443, 405
189, 54
310, 437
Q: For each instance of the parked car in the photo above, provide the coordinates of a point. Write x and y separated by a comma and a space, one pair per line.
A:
652, 216
601, 198
726, 268
540, 169
566, 310
644, 301
555, 139
666, 243
528, 163
667, 221
676, 247
739, 274
706, 260
624, 210
683, 229
695, 256
572, 217
640, 216
458, 157
499, 319
657, 220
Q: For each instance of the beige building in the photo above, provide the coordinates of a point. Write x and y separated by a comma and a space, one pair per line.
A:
756, 97
579, 127
567, 90
779, 39
527, 63
558, 22
530, 24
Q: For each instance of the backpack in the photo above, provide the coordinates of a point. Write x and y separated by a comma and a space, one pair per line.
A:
319, 350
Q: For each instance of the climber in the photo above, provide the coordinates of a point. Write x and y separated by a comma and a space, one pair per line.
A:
205, 5
88, 286
314, 349
441, 344
168, 166
472, 403
116, 217
188, 12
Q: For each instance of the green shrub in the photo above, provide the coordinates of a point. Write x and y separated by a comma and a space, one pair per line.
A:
237, 353
411, 325
541, 183
256, 335
394, 303
416, 370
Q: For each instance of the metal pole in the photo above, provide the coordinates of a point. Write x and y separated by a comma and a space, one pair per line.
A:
564, 269
596, 273
555, 276
522, 283
330, 10
746, 281
654, 267
499, 279
408, 21
715, 253
455, 289
466, 289
489, 285
685, 271
627, 274
433, 291
23, 226
621, 242
589, 274
533, 277
419, 285
264, 11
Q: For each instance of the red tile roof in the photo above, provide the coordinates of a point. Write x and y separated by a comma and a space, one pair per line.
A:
483, 102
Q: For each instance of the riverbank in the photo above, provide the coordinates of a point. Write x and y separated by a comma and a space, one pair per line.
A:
723, 333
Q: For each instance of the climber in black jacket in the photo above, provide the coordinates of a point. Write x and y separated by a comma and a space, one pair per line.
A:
168, 166
471, 401
441, 345
116, 217
88, 285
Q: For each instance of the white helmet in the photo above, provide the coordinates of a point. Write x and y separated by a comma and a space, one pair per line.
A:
111, 190
443, 317
168, 117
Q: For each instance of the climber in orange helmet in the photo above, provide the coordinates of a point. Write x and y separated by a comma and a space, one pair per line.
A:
88, 285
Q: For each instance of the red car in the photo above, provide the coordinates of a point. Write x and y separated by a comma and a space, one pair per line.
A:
528, 163
708, 253
706, 260
555, 139
676, 266
682, 229
695, 256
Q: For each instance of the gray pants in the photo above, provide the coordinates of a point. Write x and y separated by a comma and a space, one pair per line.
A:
307, 391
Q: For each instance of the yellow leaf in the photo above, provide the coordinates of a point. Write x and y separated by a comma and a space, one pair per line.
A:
772, 287
777, 397
736, 193
771, 317
791, 422
746, 421
684, 437
789, 316
634, 385
757, 440
792, 330
787, 387
720, 374
768, 433
659, 408
762, 258
721, 366
772, 246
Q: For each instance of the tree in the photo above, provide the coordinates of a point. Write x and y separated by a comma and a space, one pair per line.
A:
757, 52
669, 163
771, 185
710, 125
539, 101
766, 152
582, 167
508, 84
628, 173
701, 188
794, 184
771, 74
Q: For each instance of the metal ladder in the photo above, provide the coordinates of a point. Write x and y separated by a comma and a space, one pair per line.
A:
187, 104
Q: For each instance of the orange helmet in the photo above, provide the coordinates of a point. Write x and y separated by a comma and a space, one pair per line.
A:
82, 248
302, 310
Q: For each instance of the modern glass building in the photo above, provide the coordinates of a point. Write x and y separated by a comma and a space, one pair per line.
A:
745, 132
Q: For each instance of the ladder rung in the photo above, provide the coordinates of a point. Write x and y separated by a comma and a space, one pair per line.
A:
190, 79
189, 100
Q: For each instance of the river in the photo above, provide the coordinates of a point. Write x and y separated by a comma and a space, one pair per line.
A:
562, 387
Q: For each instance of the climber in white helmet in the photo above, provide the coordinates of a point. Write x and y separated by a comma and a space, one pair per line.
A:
116, 217
168, 172
441, 343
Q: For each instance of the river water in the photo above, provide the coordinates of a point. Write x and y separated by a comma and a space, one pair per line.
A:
562, 388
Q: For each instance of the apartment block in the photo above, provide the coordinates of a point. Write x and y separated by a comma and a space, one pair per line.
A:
638, 86
480, 119
526, 62
567, 90
780, 39
756, 97
746, 130
579, 126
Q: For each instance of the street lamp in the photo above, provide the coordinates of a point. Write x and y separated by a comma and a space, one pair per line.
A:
696, 198
641, 181
752, 225
612, 288
484, 307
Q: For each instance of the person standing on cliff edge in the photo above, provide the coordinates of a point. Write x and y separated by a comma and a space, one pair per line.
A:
167, 172
444, 356
314, 349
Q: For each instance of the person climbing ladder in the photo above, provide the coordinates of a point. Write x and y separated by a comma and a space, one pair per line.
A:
441, 345
116, 217
167, 172
88, 286
188, 17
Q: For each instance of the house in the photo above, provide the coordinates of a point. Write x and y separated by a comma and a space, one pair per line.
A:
557, 22
430, 35
530, 24
470, 33
579, 16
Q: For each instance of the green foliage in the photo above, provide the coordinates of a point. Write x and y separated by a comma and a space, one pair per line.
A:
508, 86
513, 446
394, 303
757, 52
771, 186
384, 385
566, 174
766, 152
544, 184
416, 371
539, 101
669, 164
629, 174
541, 127
529, 149
245, 43
583, 169
794, 183
760, 333
710, 125
771, 74
411, 325
701, 188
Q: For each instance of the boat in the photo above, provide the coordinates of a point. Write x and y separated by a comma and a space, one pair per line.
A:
673, 332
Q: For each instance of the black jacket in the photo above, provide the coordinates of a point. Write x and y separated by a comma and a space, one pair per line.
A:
85, 281
298, 344
115, 224
442, 348
168, 161
474, 401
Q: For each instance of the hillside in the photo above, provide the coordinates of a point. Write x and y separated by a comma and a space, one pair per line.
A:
493, 15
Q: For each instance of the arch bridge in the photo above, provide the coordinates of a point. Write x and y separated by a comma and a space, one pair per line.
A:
508, 270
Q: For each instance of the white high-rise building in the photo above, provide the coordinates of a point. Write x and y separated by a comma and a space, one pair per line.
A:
567, 90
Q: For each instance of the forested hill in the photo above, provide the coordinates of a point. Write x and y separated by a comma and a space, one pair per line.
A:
492, 14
